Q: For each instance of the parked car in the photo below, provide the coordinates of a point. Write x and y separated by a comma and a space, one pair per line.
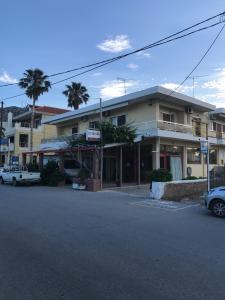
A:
16, 177
215, 201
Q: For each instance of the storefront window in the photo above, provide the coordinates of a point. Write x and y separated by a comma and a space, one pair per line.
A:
193, 156
212, 157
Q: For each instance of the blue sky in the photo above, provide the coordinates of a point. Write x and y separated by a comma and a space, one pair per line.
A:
57, 35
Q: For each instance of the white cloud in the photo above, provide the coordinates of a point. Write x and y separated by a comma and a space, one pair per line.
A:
6, 78
132, 66
118, 44
217, 84
97, 74
174, 86
115, 88
144, 53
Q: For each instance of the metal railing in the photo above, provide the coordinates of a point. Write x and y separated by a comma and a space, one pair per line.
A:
163, 125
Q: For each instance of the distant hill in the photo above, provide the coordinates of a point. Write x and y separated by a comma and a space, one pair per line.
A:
15, 110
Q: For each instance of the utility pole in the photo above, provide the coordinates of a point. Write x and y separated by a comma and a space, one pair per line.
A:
124, 84
101, 149
193, 82
1, 131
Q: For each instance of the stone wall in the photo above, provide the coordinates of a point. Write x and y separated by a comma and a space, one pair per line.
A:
178, 190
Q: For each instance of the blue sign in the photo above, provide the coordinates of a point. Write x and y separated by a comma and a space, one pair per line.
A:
3, 141
15, 160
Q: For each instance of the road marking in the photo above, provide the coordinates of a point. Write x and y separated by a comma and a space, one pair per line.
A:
167, 205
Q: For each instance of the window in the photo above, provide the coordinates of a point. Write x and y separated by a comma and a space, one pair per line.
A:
25, 124
193, 156
93, 125
119, 120
75, 129
11, 139
212, 156
217, 127
37, 123
167, 117
23, 141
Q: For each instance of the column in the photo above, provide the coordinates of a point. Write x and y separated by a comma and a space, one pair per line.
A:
121, 166
95, 165
185, 161
40, 162
138, 163
156, 154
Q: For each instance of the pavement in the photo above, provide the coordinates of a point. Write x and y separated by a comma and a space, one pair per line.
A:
56, 243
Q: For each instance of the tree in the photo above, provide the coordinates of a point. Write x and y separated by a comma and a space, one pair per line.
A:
35, 84
76, 94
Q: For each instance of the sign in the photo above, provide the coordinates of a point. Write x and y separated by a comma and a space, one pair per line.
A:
93, 135
204, 147
3, 141
15, 160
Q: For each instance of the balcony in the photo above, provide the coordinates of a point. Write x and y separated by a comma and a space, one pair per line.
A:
166, 129
56, 143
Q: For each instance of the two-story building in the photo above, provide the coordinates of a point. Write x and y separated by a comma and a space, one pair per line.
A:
17, 131
169, 128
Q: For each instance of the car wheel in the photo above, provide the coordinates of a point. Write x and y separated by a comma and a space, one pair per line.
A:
1, 180
14, 182
218, 208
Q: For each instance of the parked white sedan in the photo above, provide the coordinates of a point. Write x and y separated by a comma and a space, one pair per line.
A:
215, 201
16, 177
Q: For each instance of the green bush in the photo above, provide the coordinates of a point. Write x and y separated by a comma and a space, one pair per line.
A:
83, 174
51, 174
160, 175
32, 167
190, 178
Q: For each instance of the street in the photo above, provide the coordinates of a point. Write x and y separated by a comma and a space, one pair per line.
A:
57, 243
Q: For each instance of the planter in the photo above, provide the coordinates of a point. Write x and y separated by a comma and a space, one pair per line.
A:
62, 182
178, 190
93, 185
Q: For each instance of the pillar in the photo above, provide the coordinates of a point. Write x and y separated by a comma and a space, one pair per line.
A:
138, 163
61, 162
156, 154
121, 166
24, 159
95, 165
40, 161
185, 161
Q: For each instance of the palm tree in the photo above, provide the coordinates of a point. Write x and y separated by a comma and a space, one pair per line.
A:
76, 94
35, 84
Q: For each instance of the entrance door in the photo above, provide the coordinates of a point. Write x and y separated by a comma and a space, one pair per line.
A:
176, 167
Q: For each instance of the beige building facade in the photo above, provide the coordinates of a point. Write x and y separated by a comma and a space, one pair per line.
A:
17, 132
169, 128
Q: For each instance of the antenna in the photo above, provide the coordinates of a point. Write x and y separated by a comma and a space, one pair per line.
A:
124, 84
193, 81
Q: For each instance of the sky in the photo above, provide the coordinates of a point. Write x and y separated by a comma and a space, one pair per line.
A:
56, 35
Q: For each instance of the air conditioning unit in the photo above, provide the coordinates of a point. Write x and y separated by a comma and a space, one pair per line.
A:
107, 113
189, 110
84, 118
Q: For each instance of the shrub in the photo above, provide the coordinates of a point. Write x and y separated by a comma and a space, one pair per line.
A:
51, 174
32, 167
160, 175
190, 178
83, 174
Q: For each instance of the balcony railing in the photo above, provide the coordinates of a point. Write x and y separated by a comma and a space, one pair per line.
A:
143, 127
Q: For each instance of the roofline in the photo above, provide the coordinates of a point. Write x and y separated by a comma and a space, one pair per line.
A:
125, 100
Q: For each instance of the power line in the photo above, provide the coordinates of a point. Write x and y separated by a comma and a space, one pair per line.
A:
199, 62
122, 56
138, 50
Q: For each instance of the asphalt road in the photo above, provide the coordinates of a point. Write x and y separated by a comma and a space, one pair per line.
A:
61, 244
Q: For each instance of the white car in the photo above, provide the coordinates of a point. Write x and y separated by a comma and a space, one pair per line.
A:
16, 177
215, 201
